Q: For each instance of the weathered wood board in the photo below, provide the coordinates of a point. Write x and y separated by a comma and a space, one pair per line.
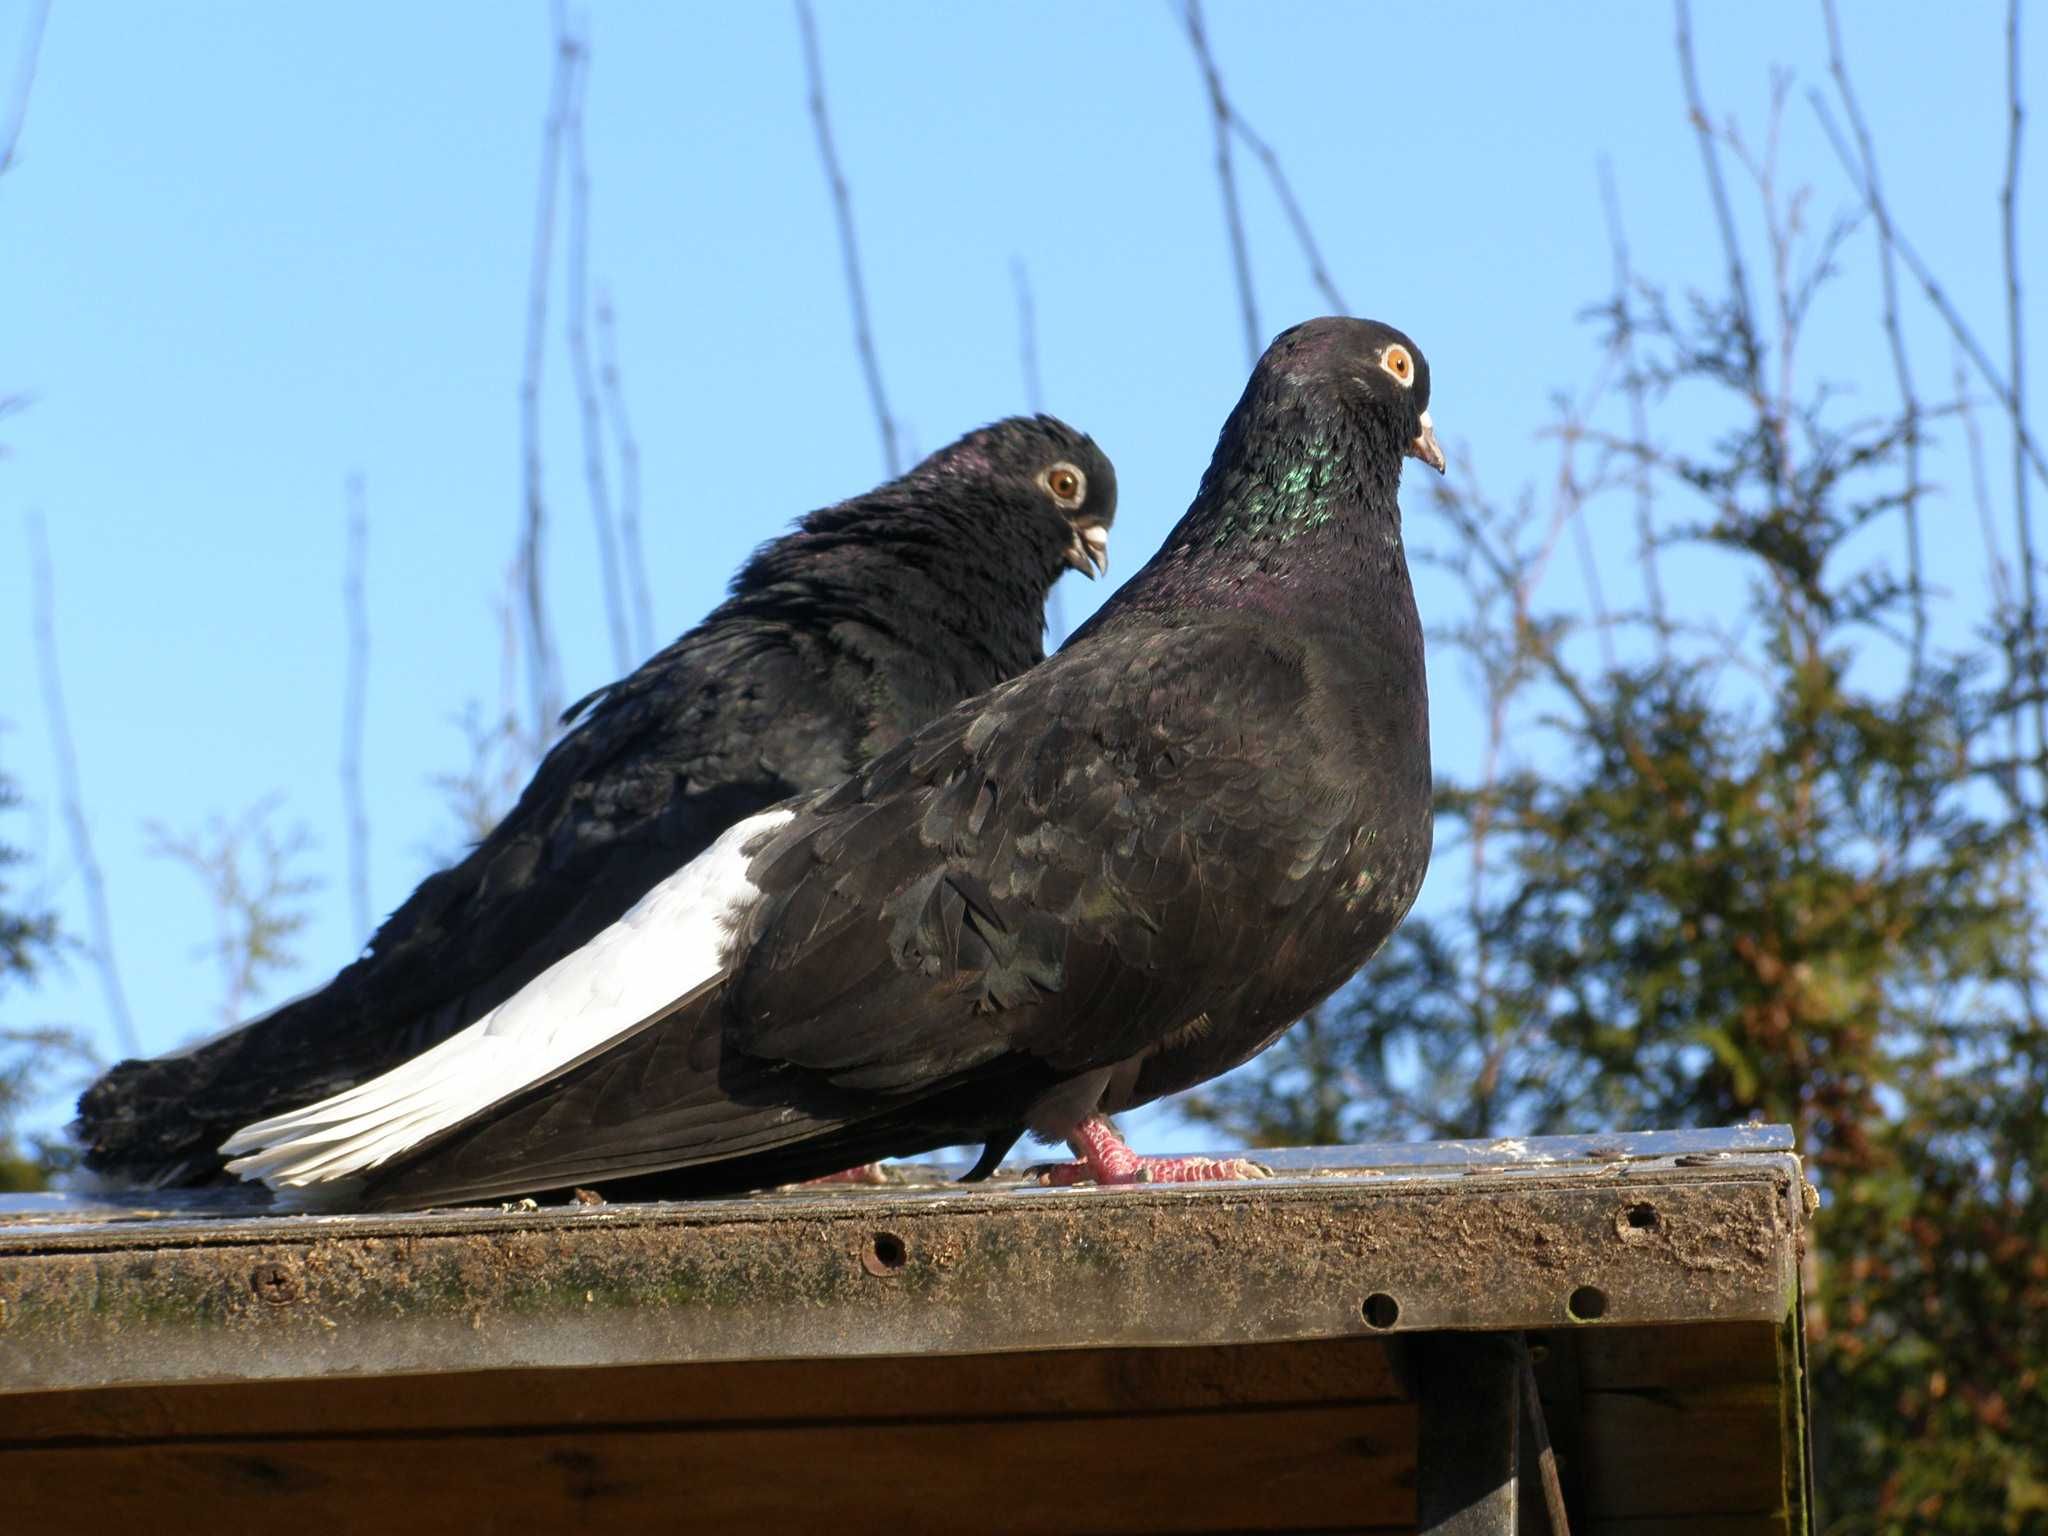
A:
920, 1359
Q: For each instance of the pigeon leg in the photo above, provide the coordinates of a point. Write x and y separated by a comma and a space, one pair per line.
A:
1106, 1158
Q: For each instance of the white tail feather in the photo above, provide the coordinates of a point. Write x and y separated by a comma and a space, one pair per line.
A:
672, 942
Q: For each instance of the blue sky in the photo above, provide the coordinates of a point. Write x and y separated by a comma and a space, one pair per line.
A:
249, 249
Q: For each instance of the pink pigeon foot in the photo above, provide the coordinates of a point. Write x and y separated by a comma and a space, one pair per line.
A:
1106, 1158
866, 1173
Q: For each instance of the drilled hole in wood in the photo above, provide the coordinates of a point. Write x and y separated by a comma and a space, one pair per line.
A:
885, 1254
1586, 1304
1643, 1218
1381, 1310
274, 1283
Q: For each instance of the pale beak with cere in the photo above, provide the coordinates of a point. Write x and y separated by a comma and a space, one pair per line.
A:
1089, 553
1423, 445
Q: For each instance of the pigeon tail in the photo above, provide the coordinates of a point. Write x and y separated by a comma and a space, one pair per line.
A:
669, 947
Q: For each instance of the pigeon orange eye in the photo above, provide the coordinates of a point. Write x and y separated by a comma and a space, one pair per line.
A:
1065, 484
1397, 362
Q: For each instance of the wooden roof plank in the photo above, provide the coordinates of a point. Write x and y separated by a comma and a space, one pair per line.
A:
1688, 1237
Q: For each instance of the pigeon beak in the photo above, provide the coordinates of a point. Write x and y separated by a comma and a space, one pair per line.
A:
1424, 446
1089, 553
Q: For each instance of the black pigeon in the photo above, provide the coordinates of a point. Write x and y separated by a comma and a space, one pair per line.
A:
1106, 880
838, 640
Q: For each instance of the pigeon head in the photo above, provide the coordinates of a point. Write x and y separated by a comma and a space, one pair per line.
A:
1316, 441
1299, 509
1367, 371
991, 520
1037, 476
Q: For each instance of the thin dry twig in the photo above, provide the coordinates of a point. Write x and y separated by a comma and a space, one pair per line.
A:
355, 689
1318, 272
1509, 578
628, 449
1027, 357
576, 308
1895, 338
842, 208
500, 754
1572, 495
1546, 1454
1937, 296
1784, 219
258, 900
1637, 390
2000, 574
1226, 176
75, 824
1569, 500
1228, 121
2023, 523
2009, 783
543, 669
12, 116
1717, 190
24, 82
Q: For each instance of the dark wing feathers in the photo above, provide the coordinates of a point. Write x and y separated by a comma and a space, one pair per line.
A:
1007, 900
729, 720
1100, 878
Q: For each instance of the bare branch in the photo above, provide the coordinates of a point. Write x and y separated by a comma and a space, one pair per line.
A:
478, 795
354, 691
1909, 501
576, 307
1637, 390
505, 610
2010, 784
1228, 121
2022, 515
501, 754
13, 113
258, 902
1781, 232
1226, 176
1319, 274
16, 112
1717, 190
1980, 490
1027, 354
543, 669
629, 474
842, 207
73, 794
1938, 297
1572, 498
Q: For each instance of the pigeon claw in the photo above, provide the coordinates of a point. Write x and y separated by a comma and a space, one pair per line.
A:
1160, 1170
1106, 1158
866, 1174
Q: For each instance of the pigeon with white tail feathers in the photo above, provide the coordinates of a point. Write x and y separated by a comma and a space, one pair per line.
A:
837, 640
1108, 879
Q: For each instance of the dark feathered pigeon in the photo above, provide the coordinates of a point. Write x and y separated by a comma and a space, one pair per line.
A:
1111, 878
838, 639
